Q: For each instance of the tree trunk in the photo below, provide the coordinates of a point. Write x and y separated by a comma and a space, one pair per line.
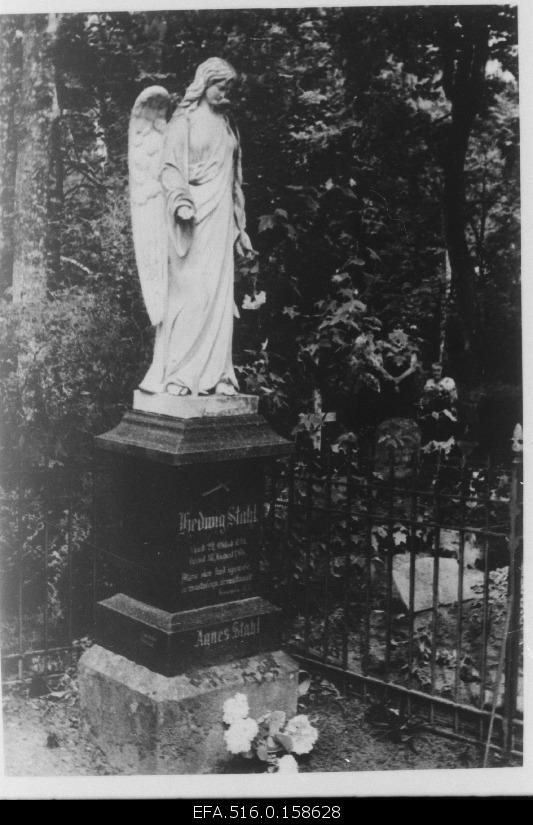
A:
464, 62
10, 78
55, 204
462, 265
37, 116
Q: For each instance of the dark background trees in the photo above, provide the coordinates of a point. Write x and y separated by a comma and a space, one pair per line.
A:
381, 170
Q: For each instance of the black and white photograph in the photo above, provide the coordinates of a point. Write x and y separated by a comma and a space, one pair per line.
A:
261, 400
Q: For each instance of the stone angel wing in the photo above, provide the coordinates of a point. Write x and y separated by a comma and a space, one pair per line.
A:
148, 125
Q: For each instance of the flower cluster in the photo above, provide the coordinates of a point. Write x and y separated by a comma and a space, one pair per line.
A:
271, 738
302, 733
240, 735
235, 709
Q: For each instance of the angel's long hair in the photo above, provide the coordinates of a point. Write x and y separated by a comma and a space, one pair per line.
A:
208, 72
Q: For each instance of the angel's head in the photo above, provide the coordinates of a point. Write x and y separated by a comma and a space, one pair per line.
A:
212, 80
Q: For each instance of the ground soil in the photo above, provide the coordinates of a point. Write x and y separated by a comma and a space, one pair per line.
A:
43, 737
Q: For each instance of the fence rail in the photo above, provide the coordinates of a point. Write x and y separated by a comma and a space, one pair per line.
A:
402, 577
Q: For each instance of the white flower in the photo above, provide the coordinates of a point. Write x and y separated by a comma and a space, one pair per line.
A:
287, 764
235, 708
302, 733
258, 299
447, 384
239, 736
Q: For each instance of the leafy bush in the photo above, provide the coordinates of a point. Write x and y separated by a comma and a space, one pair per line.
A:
331, 193
67, 367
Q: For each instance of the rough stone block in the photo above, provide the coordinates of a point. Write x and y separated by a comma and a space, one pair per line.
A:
448, 581
147, 723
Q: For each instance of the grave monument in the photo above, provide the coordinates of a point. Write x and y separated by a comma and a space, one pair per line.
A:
189, 627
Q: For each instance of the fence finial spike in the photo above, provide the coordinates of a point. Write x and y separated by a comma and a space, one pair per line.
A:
517, 439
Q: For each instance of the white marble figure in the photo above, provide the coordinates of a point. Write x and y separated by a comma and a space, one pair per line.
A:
187, 211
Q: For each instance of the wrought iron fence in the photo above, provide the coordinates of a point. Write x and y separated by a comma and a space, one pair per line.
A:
402, 576
48, 575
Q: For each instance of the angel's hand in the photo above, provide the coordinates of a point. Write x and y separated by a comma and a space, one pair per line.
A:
184, 213
244, 247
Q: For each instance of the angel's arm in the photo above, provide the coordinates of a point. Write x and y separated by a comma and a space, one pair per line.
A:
174, 171
244, 244
238, 196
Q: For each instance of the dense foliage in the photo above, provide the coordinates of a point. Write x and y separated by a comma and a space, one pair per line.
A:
348, 119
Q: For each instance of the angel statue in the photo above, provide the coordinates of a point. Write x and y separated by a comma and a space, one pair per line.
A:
187, 210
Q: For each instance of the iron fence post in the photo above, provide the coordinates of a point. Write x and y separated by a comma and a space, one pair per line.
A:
512, 642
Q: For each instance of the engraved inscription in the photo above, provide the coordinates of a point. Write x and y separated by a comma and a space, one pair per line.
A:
148, 639
216, 547
220, 575
234, 516
238, 629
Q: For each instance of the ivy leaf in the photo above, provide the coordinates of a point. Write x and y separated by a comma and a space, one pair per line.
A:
262, 752
355, 260
285, 741
266, 222
276, 721
304, 683
348, 193
291, 231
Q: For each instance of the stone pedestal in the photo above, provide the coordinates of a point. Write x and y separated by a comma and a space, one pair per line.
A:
152, 724
172, 643
190, 625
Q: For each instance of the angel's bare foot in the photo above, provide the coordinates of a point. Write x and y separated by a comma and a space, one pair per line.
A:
178, 389
225, 388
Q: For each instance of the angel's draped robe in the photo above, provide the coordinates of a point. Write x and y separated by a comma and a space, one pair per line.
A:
193, 343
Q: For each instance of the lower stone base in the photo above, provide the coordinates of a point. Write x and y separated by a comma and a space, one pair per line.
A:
147, 723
